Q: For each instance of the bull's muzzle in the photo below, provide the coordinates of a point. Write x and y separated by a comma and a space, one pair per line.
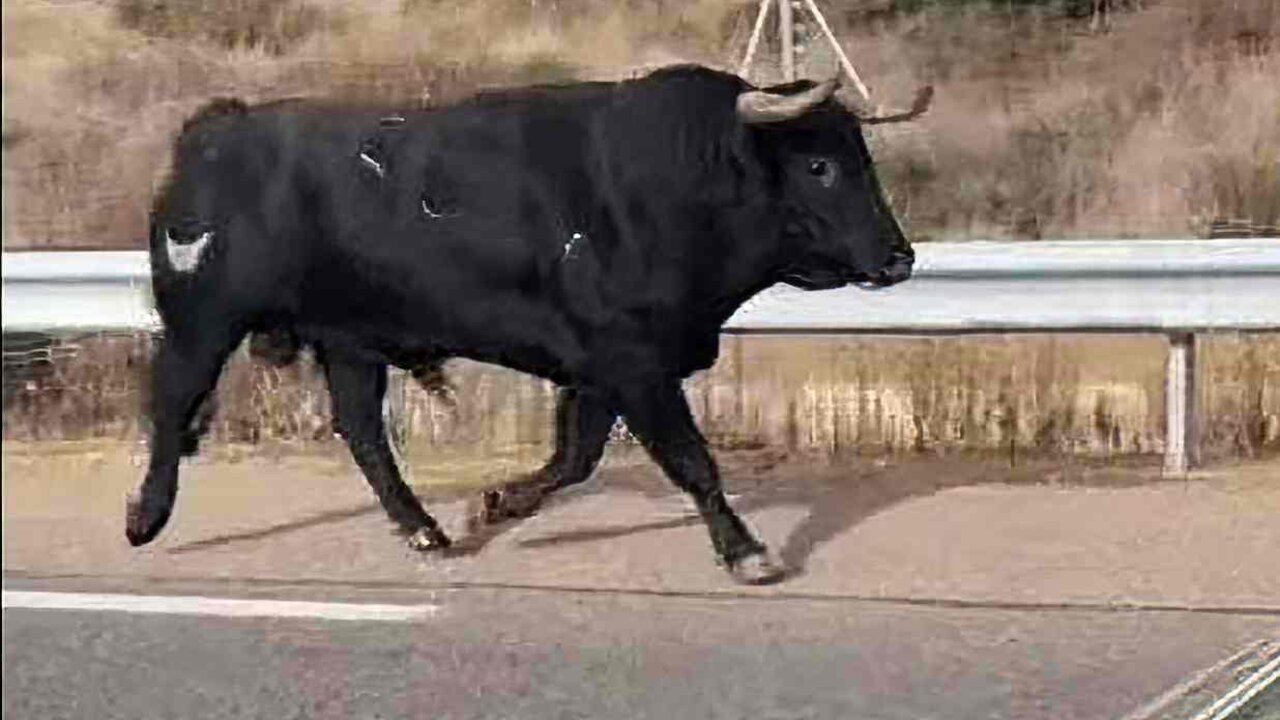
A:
896, 270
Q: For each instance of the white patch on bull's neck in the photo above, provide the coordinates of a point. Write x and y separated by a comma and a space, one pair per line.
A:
186, 258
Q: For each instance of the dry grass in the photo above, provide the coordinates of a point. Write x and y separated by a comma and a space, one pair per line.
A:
93, 92
1015, 397
1043, 127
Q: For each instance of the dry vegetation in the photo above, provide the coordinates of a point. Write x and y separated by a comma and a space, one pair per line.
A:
1015, 397
1046, 124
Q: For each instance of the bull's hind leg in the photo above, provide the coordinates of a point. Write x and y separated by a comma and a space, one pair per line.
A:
185, 372
583, 421
357, 389
659, 416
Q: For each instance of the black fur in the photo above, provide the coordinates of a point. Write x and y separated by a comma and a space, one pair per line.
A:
595, 234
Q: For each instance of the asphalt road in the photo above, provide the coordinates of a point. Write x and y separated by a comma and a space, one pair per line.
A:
490, 653
971, 600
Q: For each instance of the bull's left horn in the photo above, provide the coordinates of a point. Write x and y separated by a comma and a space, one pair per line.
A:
923, 99
758, 106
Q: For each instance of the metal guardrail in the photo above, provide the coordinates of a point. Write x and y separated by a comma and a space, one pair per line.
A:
1067, 286
77, 291
1177, 288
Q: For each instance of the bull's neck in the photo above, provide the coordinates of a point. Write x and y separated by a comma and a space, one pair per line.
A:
746, 269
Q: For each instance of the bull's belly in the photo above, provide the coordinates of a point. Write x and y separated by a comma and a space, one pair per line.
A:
422, 313
521, 340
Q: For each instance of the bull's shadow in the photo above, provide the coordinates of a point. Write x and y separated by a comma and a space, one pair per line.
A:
838, 494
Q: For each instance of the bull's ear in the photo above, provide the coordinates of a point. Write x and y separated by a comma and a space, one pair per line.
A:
924, 97
758, 106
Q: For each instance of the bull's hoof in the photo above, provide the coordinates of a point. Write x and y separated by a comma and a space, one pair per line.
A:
761, 568
429, 540
143, 519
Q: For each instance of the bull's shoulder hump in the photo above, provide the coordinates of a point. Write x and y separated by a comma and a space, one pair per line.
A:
218, 107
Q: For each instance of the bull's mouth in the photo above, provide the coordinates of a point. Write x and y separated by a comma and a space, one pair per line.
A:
815, 279
897, 270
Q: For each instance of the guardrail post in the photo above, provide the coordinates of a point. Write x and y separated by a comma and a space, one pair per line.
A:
1181, 446
393, 409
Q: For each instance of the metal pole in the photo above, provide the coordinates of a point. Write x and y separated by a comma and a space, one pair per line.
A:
393, 411
786, 32
755, 37
1181, 448
835, 45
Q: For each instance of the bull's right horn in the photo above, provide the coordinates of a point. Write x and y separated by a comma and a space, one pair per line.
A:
923, 99
758, 106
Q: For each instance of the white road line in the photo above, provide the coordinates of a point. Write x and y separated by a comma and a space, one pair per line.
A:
1242, 693
1199, 680
220, 607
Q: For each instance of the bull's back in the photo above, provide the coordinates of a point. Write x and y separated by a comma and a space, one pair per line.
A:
448, 228
475, 230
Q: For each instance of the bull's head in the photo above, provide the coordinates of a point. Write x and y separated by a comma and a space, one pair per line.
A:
838, 227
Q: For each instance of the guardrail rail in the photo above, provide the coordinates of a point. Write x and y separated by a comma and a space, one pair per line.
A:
1176, 288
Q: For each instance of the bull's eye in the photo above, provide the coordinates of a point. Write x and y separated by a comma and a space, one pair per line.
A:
824, 170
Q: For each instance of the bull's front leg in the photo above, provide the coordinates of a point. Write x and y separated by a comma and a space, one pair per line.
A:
583, 421
658, 414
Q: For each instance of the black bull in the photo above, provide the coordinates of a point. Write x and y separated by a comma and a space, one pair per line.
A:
597, 235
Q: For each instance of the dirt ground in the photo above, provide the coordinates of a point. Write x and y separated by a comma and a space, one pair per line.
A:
923, 529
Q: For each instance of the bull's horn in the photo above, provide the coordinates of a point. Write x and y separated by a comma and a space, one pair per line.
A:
921, 104
758, 106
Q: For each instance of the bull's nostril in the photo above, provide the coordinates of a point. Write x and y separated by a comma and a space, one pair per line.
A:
895, 272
